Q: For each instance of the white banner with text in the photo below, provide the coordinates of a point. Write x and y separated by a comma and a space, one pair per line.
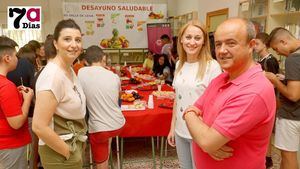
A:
114, 25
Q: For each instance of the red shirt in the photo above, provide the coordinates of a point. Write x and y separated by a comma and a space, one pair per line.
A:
10, 106
242, 110
77, 66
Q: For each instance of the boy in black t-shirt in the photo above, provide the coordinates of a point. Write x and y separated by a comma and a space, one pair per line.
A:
268, 62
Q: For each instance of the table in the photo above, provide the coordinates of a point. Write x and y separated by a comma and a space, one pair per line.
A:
147, 123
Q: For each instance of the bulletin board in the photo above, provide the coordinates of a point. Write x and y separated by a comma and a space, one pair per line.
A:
114, 25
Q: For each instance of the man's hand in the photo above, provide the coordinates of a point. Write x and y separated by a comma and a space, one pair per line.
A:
222, 153
271, 76
280, 76
195, 109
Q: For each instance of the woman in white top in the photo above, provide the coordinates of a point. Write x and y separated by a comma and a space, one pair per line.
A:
194, 71
60, 107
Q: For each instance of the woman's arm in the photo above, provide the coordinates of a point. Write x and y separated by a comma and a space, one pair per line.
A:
171, 135
166, 73
45, 106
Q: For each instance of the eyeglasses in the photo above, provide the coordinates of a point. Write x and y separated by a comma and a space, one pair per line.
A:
78, 93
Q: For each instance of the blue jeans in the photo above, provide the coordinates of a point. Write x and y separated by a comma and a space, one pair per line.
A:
184, 152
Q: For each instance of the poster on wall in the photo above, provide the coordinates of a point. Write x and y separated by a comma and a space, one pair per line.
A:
155, 31
114, 25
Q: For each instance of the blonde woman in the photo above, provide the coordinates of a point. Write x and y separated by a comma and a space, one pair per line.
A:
194, 71
60, 107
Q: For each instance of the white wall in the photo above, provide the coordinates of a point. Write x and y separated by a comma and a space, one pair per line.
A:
204, 6
52, 10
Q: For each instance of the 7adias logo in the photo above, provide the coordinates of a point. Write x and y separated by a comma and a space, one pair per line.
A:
24, 17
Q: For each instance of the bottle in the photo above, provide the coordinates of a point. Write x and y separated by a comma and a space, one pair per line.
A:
109, 62
150, 102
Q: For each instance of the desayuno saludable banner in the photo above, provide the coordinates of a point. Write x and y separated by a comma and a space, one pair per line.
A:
114, 25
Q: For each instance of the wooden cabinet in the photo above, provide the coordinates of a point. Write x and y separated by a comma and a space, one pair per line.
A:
178, 21
257, 11
130, 56
285, 13
269, 14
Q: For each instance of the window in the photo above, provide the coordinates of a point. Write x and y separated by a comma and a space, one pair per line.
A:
22, 37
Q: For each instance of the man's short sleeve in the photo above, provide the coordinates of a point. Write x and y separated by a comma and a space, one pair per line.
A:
240, 115
10, 101
292, 68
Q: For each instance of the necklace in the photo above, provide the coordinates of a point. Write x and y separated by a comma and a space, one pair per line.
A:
75, 89
69, 74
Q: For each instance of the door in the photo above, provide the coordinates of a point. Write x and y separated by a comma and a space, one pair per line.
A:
215, 18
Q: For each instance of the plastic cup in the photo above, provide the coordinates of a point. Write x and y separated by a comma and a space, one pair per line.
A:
159, 87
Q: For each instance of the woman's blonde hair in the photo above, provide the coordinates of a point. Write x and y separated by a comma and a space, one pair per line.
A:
204, 55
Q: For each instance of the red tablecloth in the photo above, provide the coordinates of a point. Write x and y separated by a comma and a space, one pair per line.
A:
149, 122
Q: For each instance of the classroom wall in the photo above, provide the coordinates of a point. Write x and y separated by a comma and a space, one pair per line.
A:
204, 6
52, 9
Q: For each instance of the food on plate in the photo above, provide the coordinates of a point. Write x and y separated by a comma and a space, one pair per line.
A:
146, 77
164, 94
168, 104
137, 69
130, 95
136, 95
135, 80
127, 97
152, 83
124, 78
138, 104
134, 106
147, 87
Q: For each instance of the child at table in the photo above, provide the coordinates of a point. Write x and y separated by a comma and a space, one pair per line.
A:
148, 63
161, 70
101, 87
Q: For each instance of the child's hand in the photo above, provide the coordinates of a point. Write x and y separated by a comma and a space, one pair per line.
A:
23, 88
26, 92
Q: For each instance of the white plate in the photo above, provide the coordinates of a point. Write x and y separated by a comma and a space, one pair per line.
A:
130, 91
131, 108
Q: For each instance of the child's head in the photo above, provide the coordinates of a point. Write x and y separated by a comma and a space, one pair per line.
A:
95, 54
162, 59
261, 40
150, 55
8, 53
165, 39
7, 46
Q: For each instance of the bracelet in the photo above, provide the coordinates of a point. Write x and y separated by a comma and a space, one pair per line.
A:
186, 112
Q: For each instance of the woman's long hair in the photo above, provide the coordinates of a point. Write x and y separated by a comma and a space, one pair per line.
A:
204, 56
157, 68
